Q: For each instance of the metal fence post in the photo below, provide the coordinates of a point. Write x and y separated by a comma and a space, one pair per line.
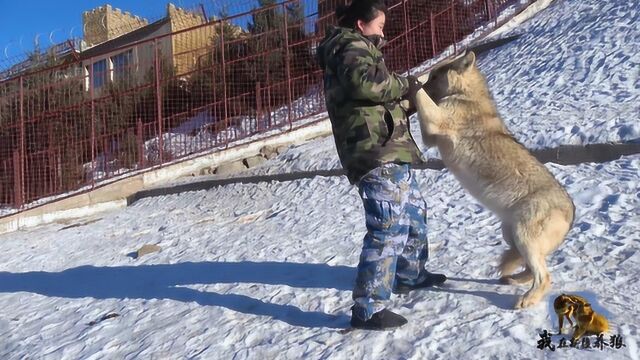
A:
258, 107
17, 179
268, 82
492, 11
406, 34
433, 33
287, 62
215, 108
140, 140
19, 159
158, 101
93, 124
224, 86
454, 27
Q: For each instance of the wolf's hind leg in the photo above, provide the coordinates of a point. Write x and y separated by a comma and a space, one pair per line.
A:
511, 258
541, 281
528, 239
537, 238
510, 261
522, 277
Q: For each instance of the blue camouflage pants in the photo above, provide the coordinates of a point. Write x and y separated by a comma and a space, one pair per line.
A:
395, 246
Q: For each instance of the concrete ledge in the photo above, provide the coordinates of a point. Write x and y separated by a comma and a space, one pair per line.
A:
21, 221
109, 197
194, 166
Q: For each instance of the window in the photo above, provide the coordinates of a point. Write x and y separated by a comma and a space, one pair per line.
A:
122, 66
100, 73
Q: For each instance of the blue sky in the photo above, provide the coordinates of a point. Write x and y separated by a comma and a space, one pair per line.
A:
22, 20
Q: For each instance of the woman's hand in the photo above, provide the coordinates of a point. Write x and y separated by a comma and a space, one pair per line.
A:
414, 86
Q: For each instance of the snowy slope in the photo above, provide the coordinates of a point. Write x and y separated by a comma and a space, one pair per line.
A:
265, 271
574, 75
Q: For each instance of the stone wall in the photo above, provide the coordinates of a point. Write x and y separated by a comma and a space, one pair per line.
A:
105, 23
189, 45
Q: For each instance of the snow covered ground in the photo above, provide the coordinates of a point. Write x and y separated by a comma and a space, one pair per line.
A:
265, 271
573, 77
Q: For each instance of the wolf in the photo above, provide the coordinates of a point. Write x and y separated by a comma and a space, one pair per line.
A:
458, 115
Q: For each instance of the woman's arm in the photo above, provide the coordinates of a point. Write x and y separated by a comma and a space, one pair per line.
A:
367, 78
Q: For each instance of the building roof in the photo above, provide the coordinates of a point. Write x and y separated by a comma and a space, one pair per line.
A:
125, 39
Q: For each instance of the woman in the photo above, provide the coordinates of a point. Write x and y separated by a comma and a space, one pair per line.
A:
376, 149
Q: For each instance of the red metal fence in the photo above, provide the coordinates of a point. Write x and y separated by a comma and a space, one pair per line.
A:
123, 107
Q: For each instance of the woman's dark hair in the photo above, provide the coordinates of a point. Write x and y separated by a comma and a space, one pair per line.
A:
365, 10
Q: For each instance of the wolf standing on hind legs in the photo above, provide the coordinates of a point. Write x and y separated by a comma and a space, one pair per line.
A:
376, 149
459, 116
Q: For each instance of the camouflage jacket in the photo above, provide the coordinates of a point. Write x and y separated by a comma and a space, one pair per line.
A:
369, 126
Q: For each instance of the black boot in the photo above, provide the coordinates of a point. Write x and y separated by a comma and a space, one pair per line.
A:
430, 279
382, 320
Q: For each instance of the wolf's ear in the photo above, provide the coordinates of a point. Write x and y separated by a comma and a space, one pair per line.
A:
467, 61
464, 62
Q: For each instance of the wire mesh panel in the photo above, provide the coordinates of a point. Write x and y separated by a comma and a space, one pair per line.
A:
11, 142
